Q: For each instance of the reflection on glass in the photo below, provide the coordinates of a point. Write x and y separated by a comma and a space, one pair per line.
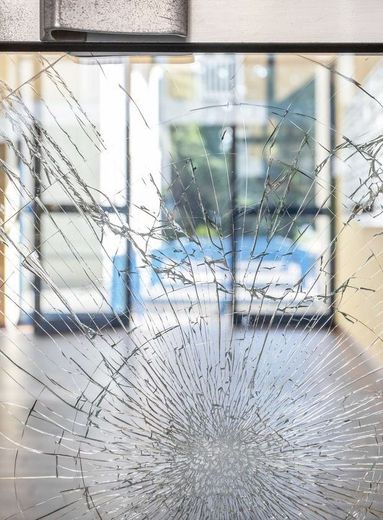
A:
192, 278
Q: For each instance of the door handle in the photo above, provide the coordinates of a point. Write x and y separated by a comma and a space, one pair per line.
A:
120, 20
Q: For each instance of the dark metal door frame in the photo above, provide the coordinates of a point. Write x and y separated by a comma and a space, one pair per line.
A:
54, 323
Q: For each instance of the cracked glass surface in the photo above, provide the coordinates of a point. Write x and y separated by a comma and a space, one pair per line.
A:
191, 277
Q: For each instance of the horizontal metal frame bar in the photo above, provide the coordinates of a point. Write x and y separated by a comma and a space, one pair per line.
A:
238, 212
160, 48
54, 323
290, 211
70, 208
280, 319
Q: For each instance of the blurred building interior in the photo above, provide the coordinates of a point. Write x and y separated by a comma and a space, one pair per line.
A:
215, 198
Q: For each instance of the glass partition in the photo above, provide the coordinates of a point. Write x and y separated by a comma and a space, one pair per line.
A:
193, 287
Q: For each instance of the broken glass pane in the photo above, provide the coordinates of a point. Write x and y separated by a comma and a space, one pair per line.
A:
191, 287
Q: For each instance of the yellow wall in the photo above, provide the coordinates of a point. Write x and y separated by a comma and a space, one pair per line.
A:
2, 207
359, 248
360, 263
2, 247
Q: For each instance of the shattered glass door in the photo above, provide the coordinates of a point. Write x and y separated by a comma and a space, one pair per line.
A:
191, 287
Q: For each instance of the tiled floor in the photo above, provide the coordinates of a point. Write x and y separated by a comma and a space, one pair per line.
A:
326, 364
